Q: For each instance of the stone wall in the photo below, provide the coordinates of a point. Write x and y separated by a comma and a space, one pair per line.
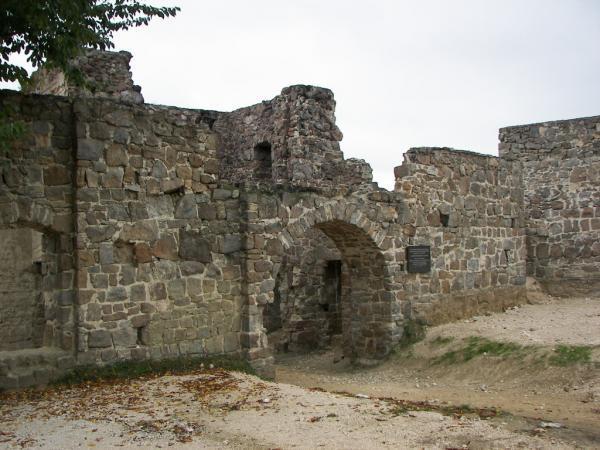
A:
561, 177
180, 249
103, 74
168, 231
158, 237
296, 132
36, 218
22, 321
467, 207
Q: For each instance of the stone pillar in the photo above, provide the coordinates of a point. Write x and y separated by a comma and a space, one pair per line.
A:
257, 284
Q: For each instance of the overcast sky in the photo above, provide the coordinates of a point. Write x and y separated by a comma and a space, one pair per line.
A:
404, 73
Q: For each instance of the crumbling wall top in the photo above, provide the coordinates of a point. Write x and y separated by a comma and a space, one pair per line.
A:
105, 75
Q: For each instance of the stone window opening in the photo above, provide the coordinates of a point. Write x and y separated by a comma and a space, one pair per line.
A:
506, 258
263, 158
444, 219
141, 338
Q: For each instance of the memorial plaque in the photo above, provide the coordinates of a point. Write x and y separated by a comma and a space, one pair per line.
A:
419, 258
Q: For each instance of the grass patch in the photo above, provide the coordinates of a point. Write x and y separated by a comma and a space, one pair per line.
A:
137, 369
567, 355
474, 346
413, 333
440, 341
478, 346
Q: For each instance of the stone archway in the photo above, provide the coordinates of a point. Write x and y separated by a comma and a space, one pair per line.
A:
369, 312
366, 312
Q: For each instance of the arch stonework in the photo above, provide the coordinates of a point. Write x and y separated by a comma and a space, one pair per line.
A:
372, 299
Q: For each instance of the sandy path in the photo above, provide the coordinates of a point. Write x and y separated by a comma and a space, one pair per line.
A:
573, 321
569, 395
221, 410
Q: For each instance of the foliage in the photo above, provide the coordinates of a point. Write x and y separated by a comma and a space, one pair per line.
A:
137, 369
55, 31
9, 129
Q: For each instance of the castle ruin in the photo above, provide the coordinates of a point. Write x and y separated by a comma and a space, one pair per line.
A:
133, 231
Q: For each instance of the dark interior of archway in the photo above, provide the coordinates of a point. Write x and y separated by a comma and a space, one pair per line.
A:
328, 291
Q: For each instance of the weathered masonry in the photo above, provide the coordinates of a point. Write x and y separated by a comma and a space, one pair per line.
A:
133, 231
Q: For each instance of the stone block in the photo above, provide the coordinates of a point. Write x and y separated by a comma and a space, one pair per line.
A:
116, 155
100, 233
138, 211
142, 252
99, 339
274, 247
232, 243
194, 246
127, 275
57, 175
140, 321
221, 194
191, 268
113, 178
160, 206
166, 248
93, 312
186, 207
146, 230
90, 149
176, 289
207, 211
159, 170
106, 253
171, 186
115, 294
158, 291
65, 298
138, 293
124, 337
117, 211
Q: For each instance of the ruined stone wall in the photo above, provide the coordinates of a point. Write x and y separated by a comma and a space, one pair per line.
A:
158, 237
561, 177
36, 225
104, 74
169, 231
466, 206
298, 129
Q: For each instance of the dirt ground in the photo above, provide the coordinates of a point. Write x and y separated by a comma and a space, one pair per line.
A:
413, 400
526, 384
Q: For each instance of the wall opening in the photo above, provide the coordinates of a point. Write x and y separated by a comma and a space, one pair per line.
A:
263, 159
444, 219
331, 301
22, 322
332, 294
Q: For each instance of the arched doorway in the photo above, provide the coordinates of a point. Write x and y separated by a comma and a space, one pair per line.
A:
332, 287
